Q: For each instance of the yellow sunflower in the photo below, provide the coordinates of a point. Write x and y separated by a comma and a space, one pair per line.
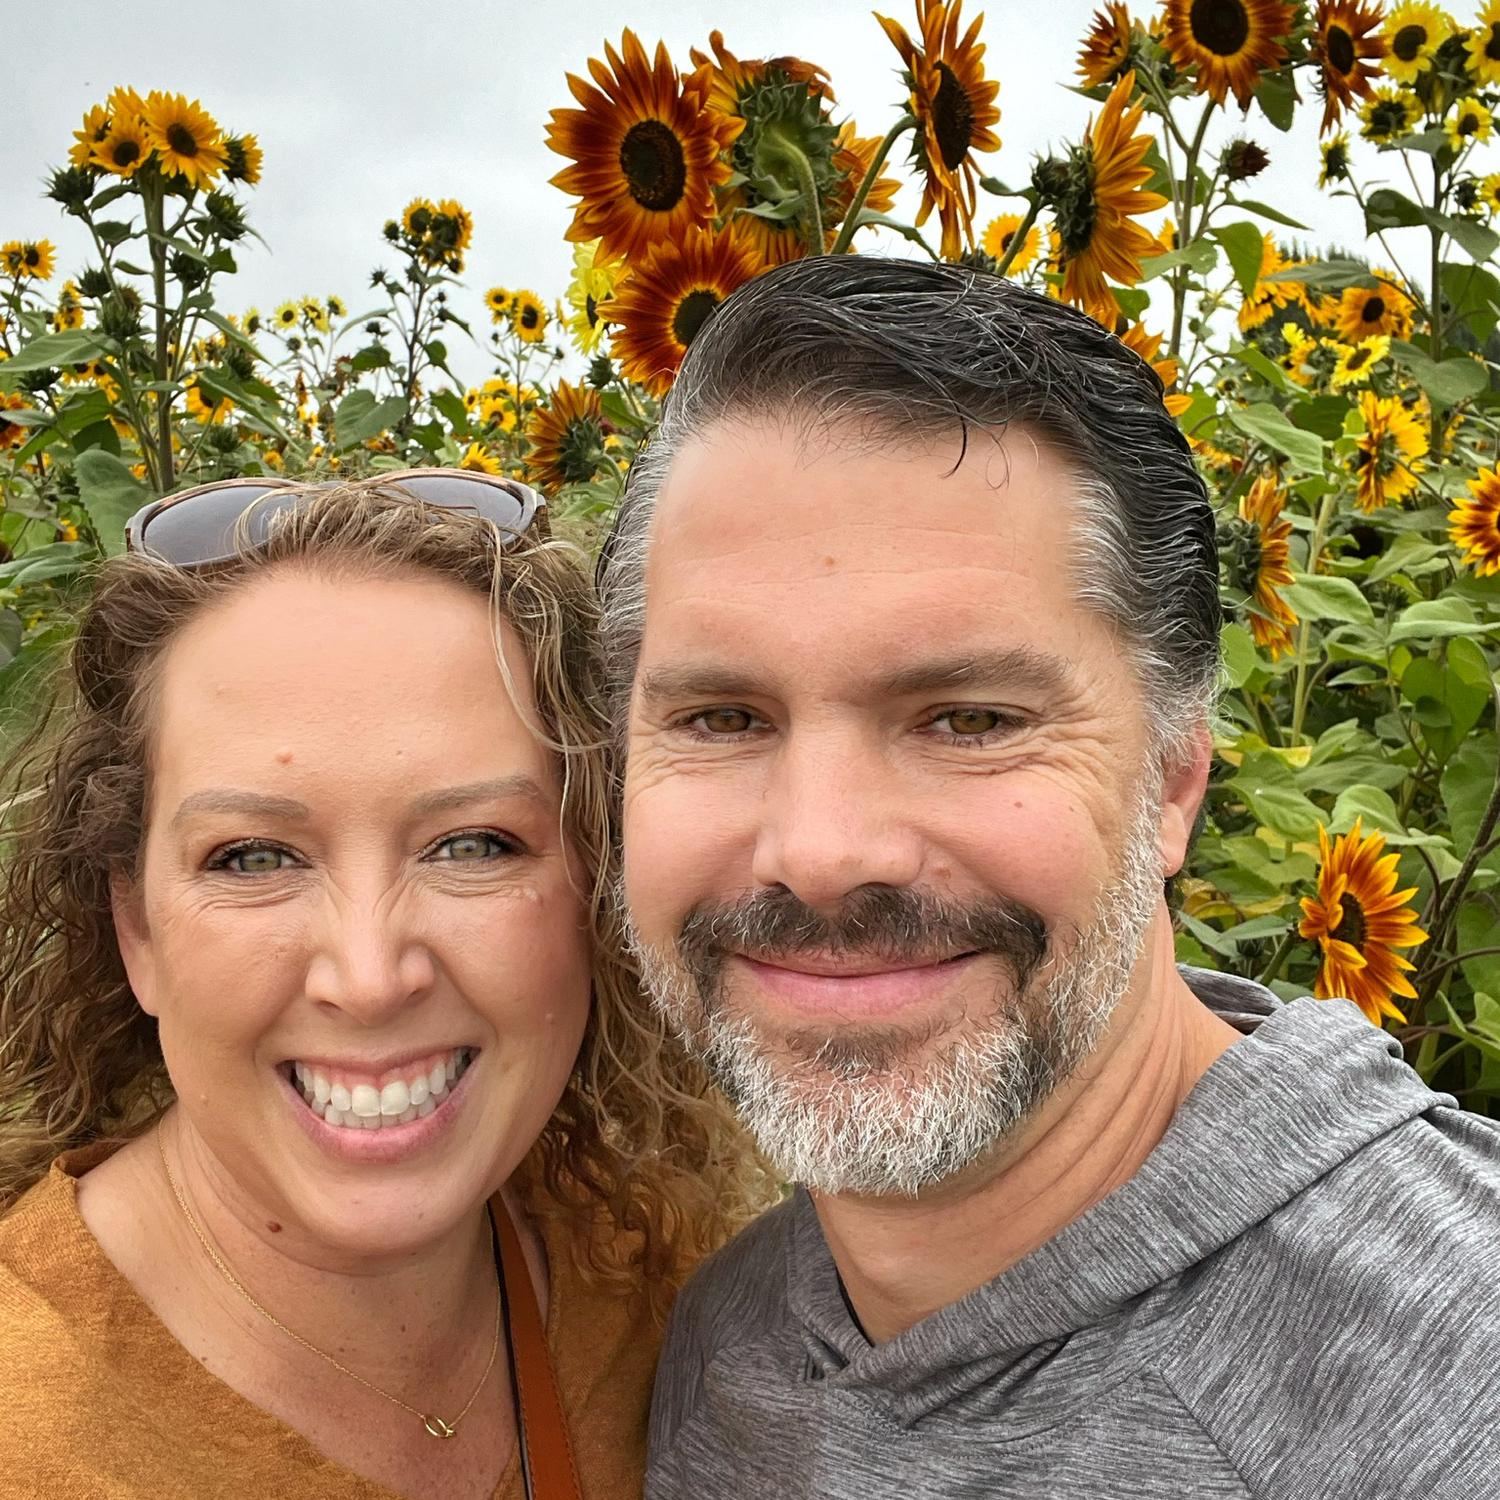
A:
12, 434
69, 312
243, 159
954, 104
1366, 311
1355, 363
96, 125
498, 299
1230, 42
1388, 114
336, 308
1468, 124
1484, 44
646, 151
674, 293
416, 218
1001, 230
1271, 292
123, 150
1147, 345
1358, 918
475, 458
528, 317
287, 316
1095, 195
1388, 456
566, 437
1489, 193
461, 234
185, 138
204, 405
1271, 617
25, 259
594, 282
1474, 524
498, 403
315, 314
1345, 48
1413, 32
1105, 55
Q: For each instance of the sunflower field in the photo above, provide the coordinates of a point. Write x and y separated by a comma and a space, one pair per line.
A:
1342, 400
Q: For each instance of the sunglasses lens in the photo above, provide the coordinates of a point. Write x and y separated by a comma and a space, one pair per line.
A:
455, 490
201, 529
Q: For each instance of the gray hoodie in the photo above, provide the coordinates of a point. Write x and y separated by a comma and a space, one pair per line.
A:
1296, 1296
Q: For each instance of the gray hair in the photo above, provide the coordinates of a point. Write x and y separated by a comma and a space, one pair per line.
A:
913, 349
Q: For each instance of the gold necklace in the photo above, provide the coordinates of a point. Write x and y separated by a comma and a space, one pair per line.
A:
432, 1424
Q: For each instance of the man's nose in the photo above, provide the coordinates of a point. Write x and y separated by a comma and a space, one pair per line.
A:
834, 818
370, 960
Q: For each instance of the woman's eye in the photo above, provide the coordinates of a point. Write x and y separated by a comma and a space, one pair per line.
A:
252, 859
972, 723
723, 721
468, 847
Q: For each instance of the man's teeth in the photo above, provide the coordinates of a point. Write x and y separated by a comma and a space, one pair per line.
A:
364, 1104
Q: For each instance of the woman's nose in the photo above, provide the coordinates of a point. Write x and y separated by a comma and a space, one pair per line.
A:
371, 961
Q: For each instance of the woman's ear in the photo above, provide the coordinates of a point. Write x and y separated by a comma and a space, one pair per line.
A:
134, 940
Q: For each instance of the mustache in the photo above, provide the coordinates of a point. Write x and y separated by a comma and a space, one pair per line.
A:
897, 925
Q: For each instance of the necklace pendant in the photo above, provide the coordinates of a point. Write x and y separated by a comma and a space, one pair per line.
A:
438, 1427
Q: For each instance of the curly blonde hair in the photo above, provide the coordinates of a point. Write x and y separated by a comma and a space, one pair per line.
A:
640, 1157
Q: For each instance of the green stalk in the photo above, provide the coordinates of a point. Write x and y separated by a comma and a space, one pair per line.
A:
1018, 238
152, 199
883, 150
1314, 552
1435, 307
1185, 228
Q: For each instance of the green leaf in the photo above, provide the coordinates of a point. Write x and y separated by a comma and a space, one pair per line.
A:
75, 347
1199, 256
11, 633
1265, 211
451, 405
1315, 596
1409, 550
1432, 619
1449, 696
1282, 809
1376, 811
1473, 297
1267, 425
360, 417
1243, 244
1277, 96
1241, 659
1466, 784
1478, 927
45, 563
1332, 275
110, 493
1428, 141
1385, 208
1473, 238
1448, 383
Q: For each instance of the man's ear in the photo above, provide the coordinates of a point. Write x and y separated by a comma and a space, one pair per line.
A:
1182, 796
134, 940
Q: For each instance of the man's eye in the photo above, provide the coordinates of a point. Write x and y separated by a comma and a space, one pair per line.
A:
469, 847
252, 859
972, 723
723, 721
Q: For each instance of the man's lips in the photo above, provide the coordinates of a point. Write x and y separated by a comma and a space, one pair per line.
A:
851, 985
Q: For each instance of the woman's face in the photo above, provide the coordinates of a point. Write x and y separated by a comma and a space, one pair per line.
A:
354, 919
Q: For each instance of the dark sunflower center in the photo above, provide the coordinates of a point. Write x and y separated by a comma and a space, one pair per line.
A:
653, 165
1358, 360
1408, 42
1340, 49
1468, 123
1387, 118
692, 313
1492, 42
530, 317
1005, 240
1352, 928
1373, 310
182, 140
952, 118
590, 311
32, 256
1222, 26
125, 152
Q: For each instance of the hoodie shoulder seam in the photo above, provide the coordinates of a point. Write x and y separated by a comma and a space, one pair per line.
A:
1207, 1432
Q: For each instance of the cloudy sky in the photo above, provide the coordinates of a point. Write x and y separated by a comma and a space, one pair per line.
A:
361, 107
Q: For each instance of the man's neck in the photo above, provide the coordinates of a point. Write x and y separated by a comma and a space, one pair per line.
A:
902, 1259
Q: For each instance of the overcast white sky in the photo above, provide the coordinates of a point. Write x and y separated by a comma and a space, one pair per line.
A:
360, 107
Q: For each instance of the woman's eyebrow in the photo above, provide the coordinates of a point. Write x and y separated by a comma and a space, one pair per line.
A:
255, 804
493, 789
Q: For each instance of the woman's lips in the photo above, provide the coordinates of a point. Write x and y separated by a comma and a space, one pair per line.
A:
852, 989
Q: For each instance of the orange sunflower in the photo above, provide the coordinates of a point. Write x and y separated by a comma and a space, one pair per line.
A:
1474, 524
1095, 194
1271, 617
646, 151
1346, 40
852, 156
567, 437
1146, 345
674, 293
1230, 42
1364, 312
1359, 919
954, 104
1105, 55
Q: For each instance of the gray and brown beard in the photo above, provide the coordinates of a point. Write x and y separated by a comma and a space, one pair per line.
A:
888, 1109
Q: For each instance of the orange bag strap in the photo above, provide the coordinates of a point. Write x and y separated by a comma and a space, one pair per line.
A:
542, 1428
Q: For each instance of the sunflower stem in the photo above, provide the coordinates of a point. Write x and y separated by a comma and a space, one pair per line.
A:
1279, 957
152, 197
1018, 237
856, 206
1435, 310
812, 214
1314, 552
1185, 229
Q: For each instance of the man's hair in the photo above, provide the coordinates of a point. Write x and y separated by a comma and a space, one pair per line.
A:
912, 349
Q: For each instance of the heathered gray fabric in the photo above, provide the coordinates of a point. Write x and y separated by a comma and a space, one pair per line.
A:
1296, 1297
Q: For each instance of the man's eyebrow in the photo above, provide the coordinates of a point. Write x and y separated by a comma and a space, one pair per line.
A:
1009, 666
695, 680
253, 804
493, 789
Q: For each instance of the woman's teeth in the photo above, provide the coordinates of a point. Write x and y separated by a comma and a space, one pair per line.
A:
358, 1102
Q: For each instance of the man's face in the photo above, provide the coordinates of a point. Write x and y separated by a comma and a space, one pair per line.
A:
893, 833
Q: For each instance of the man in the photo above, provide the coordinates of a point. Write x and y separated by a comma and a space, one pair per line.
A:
913, 614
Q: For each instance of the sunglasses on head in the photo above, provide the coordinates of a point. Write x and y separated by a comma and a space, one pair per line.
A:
199, 526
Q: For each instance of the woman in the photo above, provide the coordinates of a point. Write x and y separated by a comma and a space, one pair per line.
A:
312, 1003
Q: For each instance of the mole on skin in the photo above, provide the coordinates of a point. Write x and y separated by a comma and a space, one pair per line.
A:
284, 757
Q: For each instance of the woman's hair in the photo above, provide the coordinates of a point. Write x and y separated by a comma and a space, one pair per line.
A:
639, 1156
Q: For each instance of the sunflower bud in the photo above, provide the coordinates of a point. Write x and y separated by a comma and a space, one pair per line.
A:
72, 187
1239, 552
120, 313
34, 382
1243, 158
601, 371
1466, 196
1049, 179
189, 270
223, 217
239, 361
93, 282
392, 230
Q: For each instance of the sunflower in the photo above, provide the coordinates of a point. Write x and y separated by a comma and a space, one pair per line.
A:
416, 218
1299, 350
1270, 293
1335, 159
1105, 55
242, 159
1389, 455
528, 317
123, 150
204, 405
336, 308
1359, 918
315, 314
1413, 32
1474, 524
1388, 114
1489, 193
451, 212
498, 299
498, 404
954, 104
1468, 125
1356, 362
1000, 231
1344, 48
852, 157
96, 125
1146, 345
1230, 42
28, 259
1094, 194
594, 282
287, 316
1270, 568
12, 434
566, 437
1365, 311
1484, 44
646, 151
475, 458
185, 138
661, 308
69, 312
